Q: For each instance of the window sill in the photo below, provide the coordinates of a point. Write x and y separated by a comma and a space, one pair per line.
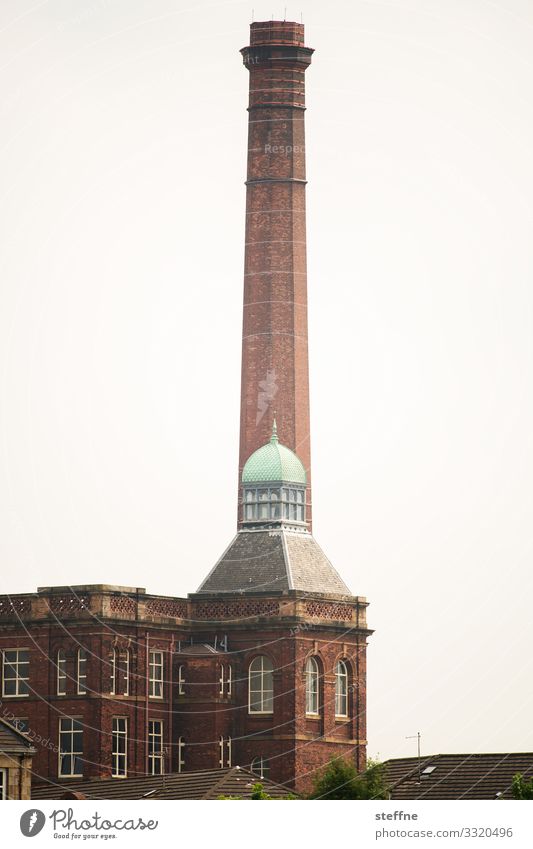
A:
16, 696
312, 716
261, 713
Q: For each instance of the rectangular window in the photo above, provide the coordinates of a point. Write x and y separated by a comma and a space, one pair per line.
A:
82, 672
225, 680
181, 681
156, 763
155, 674
224, 747
125, 662
16, 672
120, 672
61, 673
70, 747
119, 747
3, 784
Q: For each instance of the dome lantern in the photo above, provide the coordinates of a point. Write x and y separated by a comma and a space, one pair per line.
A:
274, 483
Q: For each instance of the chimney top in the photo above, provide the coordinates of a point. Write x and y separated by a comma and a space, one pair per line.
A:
277, 32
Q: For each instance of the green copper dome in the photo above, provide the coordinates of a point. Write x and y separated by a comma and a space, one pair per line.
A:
274, 462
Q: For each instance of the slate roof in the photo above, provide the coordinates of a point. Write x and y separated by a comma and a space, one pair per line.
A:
13, 741
207, 784
273, 560
474, 776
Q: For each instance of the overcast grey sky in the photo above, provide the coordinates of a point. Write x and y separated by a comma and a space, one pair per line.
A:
122, 163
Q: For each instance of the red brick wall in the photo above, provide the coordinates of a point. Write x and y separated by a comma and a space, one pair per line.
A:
294, 745
274, 350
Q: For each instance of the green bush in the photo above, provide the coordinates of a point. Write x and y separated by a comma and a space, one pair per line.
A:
340, 780
522, 788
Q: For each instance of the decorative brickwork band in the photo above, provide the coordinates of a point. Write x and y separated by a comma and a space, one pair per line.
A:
235, 609
13, 606
329, 610
123, 604
167, 607
63, 605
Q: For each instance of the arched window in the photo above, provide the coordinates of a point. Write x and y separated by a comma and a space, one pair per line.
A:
260, 685
181, 754
181, 681
61, 673
311, 686
125, 664
260, 767
341, 689
82, 672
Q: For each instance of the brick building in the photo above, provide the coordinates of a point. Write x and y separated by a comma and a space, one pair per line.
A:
265, 665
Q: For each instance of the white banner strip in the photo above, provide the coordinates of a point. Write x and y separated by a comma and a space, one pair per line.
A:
314, 824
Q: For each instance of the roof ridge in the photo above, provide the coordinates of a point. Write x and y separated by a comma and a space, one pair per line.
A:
227, 774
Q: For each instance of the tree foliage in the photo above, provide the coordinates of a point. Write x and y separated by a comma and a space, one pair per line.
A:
522, 788
340, 780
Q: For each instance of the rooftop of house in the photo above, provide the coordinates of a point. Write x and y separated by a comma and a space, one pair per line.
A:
457, 776
205, 784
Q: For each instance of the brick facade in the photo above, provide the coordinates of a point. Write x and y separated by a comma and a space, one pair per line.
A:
292, 744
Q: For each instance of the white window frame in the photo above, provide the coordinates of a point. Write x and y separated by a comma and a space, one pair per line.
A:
266, 695
3, 783
341, 689
260, 763
312, 687
155, 681
81, 672
119, 735
71, 752
224, 742
19, 679
226, 679
126, 670
156, 757
113, 685
120, 672
181, 751
181, 680
61, 669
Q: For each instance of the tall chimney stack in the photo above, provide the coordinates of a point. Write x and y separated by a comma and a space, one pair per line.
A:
275, 376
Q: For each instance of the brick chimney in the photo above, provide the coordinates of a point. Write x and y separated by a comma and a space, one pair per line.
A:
275, 379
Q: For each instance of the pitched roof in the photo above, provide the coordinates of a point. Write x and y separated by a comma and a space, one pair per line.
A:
207, 784
273, 560
13, 741
467, 776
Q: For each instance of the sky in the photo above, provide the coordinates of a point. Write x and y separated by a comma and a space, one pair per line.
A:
122, 168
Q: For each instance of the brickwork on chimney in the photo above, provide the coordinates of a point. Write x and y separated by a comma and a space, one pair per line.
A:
275, 376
